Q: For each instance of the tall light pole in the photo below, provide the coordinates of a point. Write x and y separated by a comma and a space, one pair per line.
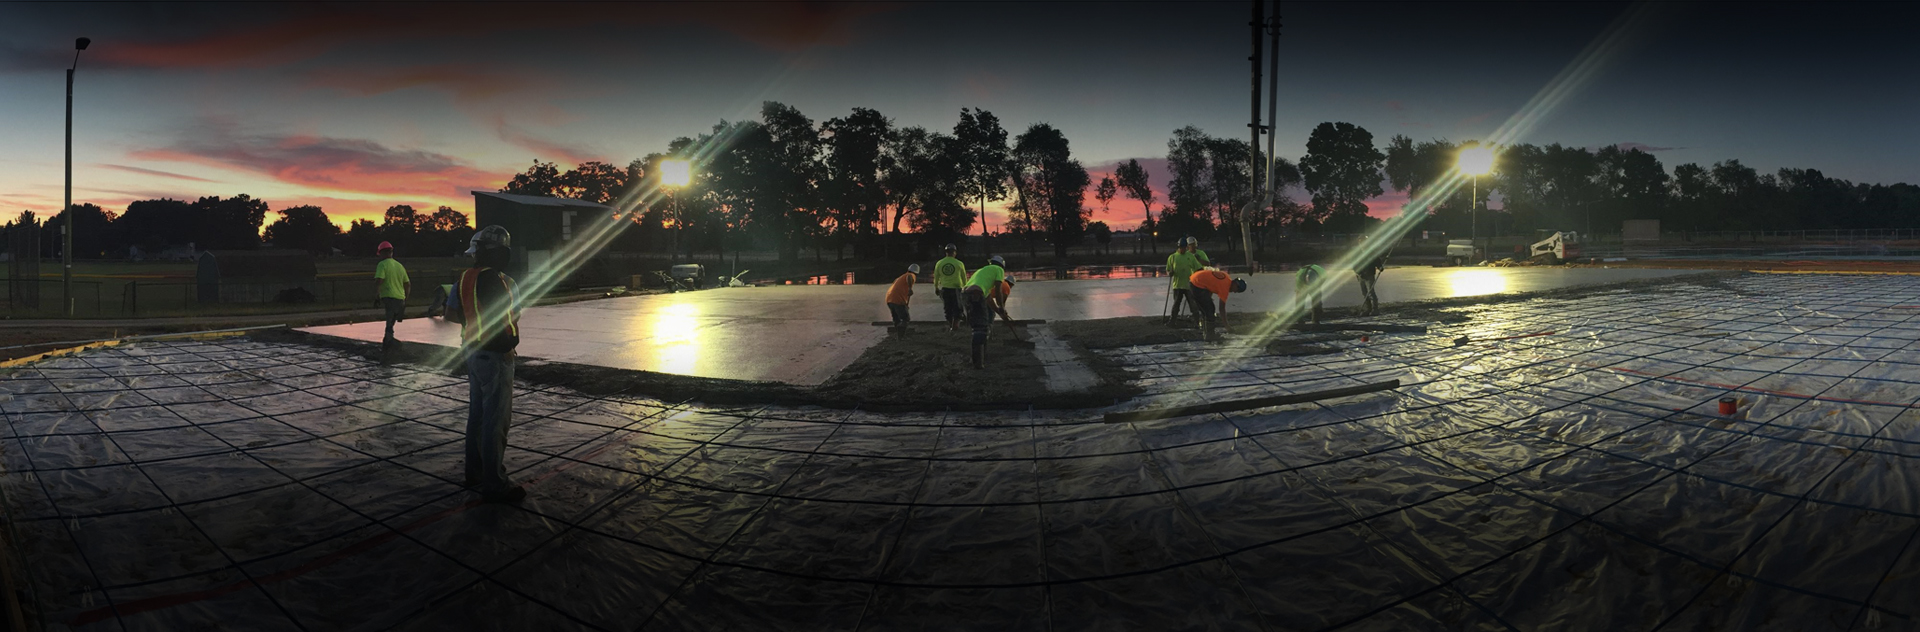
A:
66, 208
676, 174
1476, 162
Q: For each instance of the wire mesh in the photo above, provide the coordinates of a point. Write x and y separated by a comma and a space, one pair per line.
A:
1565, 466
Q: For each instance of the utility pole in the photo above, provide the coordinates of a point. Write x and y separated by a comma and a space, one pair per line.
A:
1273, 99
66, 208
1258, 25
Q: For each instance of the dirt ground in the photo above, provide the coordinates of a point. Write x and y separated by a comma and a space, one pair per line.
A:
931, 367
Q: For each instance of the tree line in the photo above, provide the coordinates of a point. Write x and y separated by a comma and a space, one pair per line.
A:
150, 227
1555, 187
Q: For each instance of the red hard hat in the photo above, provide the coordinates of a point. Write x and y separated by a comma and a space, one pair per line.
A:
385, 245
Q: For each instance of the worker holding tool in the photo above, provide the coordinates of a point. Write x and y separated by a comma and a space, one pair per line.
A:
1306, 286
997, 303
898, 294
489, 314
1205, 285
394, 286
1180, 266
974, 295
949, 275
1369, 273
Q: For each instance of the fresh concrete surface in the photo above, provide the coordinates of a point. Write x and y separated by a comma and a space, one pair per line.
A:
805, 334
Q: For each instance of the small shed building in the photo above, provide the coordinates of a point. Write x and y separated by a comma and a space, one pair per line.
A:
541, 226
253, 276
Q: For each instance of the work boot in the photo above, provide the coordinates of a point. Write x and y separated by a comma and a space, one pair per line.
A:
510, 496
979, 357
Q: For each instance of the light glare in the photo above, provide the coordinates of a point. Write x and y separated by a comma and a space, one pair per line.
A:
1476, 161
676, 173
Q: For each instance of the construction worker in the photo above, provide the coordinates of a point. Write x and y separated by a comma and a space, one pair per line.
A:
1369, 273
898, 294
489, 315
1193, 247
1180, 266
997, 303
1205, 285
979, 315
949, 275
1306, 286
393, 286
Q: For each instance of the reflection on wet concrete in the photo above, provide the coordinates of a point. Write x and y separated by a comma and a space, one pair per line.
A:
805, 334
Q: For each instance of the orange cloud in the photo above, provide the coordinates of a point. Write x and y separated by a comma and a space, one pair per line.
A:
325, 163
540, 147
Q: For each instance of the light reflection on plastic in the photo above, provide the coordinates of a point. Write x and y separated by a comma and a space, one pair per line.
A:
676, 338
1476, 282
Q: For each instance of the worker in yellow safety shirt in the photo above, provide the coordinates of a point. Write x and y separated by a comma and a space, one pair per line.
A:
489, 315
1207, 284
1180, 266
1193, 246
897, 295
979, 314
949, 275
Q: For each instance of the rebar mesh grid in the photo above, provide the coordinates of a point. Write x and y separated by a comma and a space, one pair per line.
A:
1564, 468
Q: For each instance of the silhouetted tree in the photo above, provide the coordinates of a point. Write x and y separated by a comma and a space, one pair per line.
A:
154, 225
305, 228
1051, 185
92, 229
1341, 170
360, 238
853, 163
1102, 234
1132, 178
543, 178
984, 161
229, 224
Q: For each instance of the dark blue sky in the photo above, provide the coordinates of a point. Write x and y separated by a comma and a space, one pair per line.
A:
360, 106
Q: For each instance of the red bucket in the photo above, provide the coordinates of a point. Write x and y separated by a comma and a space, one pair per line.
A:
1728, 406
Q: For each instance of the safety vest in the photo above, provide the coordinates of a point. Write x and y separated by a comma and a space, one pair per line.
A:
471, 324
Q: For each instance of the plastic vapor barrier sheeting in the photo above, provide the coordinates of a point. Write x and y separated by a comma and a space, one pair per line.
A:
1565, 467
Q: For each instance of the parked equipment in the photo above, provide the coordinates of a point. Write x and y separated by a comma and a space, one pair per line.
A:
1460, 252
1561, 246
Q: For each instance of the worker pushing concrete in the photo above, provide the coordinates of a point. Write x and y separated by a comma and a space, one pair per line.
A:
949, 275
489, 314
1207, 284
979, 315
1306, 287
394, 287
897, 295
1369, 273
1180, 267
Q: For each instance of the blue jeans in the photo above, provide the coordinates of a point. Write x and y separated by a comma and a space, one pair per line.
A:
489, 408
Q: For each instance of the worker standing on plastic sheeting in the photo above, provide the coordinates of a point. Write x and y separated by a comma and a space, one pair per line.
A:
979, 315
1369, 273
1181, 265
1206, 285
1306, 286
897, 295
949, 275
394, 286
489, 315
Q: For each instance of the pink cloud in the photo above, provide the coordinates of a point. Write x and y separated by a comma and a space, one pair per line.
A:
155, 172
542, 148
325, 163
467, 82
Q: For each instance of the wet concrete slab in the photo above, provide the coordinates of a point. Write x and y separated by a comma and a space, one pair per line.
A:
805, 334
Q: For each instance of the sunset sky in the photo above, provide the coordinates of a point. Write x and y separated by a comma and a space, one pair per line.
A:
356, 107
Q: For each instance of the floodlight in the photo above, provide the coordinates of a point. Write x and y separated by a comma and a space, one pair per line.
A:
676, 173
1476, 161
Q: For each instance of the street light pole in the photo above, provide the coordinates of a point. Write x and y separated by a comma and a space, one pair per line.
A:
1473, 211
66, 207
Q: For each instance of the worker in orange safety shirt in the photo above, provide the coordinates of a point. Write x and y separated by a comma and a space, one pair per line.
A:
1203, 286
897, 295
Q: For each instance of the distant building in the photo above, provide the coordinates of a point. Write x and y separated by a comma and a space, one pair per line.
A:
542, 227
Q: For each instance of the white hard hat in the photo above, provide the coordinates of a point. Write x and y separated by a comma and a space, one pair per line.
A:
914, 268
489, 237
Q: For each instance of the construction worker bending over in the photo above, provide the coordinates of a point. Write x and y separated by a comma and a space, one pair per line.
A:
489, 314
979, 315
949, 275
898, 294
1206, 285
1306, 286
1369, 273
1180, 266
